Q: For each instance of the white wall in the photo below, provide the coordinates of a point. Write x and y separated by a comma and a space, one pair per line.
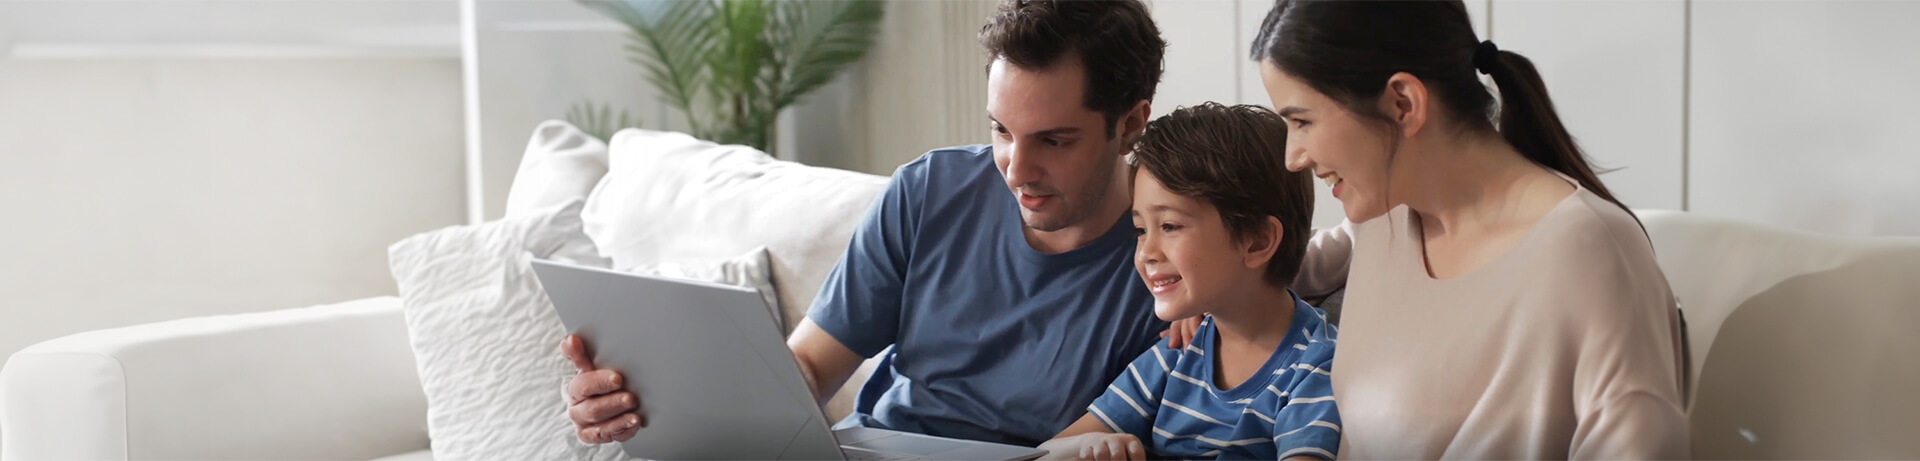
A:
1783, 113
140, 190
1802, 114
1616, 73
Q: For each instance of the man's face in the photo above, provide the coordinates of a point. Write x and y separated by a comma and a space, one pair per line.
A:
1053, 151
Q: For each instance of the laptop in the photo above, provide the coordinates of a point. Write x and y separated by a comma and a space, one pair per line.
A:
714, 374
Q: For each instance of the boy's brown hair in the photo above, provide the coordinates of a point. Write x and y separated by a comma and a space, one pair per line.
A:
1233, 157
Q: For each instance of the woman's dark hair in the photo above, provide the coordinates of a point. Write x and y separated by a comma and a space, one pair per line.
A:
1117, 43
1224, 156
1348, 49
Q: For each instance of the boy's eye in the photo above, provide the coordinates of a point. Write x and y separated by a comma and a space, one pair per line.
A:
1055, 142
999, 129
1299, 124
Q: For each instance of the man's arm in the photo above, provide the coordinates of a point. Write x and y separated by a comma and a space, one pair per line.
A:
823, 360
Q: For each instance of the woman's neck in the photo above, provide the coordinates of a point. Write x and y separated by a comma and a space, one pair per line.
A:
1261, 318
1472, 186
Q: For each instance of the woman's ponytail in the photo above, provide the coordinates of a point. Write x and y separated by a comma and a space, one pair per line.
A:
1528, 121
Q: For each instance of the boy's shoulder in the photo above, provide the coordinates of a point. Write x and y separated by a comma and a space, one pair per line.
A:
1318, 336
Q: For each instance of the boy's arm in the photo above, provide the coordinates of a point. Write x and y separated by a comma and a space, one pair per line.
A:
1120, 420
1308, 424
1087, 424
1088, 438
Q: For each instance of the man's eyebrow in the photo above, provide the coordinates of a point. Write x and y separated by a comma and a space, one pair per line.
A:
1290, 111
1065, 130
1055, 131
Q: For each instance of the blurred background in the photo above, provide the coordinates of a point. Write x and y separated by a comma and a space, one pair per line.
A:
174, 158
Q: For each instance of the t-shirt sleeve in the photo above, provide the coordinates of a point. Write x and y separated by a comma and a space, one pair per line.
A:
1130, 402
1308, 423
860, 301
1323, 270
1626, 383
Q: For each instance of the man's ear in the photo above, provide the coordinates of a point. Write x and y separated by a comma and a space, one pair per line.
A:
1407, 102
1134, 122
1259, 246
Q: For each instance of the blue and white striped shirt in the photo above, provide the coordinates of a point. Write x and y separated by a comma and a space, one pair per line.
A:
1168, 399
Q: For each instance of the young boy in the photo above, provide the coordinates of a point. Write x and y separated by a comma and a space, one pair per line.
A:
1222, 226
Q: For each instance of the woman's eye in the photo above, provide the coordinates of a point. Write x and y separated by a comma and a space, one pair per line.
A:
1169, 227
1139, 231
1299, 124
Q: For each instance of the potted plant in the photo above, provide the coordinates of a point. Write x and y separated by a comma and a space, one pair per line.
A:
731, 66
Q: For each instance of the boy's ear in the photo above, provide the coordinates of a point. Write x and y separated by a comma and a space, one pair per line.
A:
1263, 243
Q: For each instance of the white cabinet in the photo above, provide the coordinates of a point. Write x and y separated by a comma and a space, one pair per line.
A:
1802, 114
1616, 73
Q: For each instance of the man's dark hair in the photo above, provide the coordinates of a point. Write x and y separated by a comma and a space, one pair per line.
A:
1116, 41
1230, 157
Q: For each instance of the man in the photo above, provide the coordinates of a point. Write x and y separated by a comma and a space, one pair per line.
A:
1001, 276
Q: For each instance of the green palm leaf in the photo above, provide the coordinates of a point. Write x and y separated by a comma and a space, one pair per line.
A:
822, 37
732, 65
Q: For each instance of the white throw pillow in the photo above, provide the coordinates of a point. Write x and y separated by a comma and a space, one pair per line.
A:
486, 339
748, 270
561, 163
670, 197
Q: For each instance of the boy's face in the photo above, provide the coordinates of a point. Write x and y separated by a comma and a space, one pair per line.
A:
1053, 151
1185, 254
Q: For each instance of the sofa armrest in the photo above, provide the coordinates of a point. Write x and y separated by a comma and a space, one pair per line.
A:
325, 382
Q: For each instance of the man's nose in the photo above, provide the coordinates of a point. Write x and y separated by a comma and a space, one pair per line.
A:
1021, 170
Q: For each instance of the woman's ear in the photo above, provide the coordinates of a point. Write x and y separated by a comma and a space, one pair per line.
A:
1406, 102
1263, 243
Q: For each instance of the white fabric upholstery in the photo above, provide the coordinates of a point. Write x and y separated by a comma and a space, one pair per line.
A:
670, 197
486, 338
561, 164
327, 382
1803, 344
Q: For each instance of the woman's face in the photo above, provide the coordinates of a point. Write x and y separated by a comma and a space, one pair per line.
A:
1349, 153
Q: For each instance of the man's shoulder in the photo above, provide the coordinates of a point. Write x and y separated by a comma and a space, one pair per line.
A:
957, 162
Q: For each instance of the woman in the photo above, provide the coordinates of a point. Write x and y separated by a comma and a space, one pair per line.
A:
1500, 302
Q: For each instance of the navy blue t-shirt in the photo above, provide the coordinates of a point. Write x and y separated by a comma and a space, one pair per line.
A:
991, 339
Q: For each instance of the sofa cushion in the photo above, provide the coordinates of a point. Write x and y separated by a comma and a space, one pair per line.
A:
561, 163
486, 337
486, 340
1802, 342
671, 197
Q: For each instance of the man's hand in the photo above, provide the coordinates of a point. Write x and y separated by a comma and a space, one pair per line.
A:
1181, 332
1100, 446
601, 411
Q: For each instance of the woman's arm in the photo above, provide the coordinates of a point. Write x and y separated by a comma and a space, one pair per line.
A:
1329, 257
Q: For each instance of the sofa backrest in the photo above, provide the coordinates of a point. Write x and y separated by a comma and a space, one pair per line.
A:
670, 197
1803, 344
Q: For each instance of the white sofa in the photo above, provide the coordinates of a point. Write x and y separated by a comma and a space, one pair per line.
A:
1800, 342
